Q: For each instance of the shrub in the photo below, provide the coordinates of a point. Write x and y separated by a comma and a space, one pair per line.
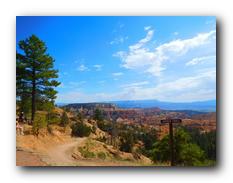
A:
86, 153
98, 115
102, 139
80, 130
39, 122
93, 129
53, 118
64, 119
191, 155
80, 116
104, 126
101, 155
127, 142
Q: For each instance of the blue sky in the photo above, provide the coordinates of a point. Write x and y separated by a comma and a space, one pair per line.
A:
129, 58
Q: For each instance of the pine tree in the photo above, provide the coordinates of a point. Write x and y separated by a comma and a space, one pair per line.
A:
35, 75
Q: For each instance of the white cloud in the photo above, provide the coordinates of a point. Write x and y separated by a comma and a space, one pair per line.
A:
146, 28
119, 40
143, 41
200, 60
82, 67
184, 89
131, 85
140, 57
97, 67
79, 60
76, 84
175, 33
117, 74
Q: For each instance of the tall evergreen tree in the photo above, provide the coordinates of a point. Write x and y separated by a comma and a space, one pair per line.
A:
35, 73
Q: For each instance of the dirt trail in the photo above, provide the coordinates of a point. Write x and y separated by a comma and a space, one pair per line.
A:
54, 151
60, 155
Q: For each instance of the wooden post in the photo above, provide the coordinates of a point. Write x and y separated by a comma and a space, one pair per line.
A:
171, 142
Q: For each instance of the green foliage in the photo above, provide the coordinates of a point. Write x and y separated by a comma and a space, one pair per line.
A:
186, 152
191, 155
98, 116
127, 142
105, 126
53, 118
25, 105
148, 138
64, 119
45, 105
86, 153
101, 155
206, 141
39, 122
80, 116
35, 76
80, 130
161, 150
102, 139
93, 129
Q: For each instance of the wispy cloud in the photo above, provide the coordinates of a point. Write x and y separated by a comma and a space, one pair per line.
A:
82, 68
119, 40
79, 61
201, 60
140, 57
137, 84
146, 28
117, 74
76, 84
189, 88
98, 67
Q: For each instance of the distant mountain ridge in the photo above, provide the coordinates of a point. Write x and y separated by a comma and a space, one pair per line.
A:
202, 106
205, 106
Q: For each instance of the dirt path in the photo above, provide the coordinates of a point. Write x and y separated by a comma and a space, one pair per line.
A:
60, 155
47, 151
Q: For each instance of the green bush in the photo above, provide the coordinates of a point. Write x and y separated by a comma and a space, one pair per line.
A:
64, 119
101, 155
104, 126
191, 155
98, 115
93, 129
127, 142
206, 141
53, 118
102, 139
86, 153
39, 122
80, 130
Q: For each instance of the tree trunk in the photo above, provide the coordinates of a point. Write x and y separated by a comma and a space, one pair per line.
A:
33, 94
